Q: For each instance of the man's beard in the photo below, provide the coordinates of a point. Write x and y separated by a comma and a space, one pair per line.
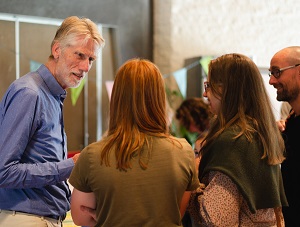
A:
287, 96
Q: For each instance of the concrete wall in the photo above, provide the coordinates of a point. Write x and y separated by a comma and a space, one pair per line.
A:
132, 21
132, 18
183, 29
193, 28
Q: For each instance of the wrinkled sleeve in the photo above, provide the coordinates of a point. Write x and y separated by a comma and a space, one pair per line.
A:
220, 202
18, 122
81, 172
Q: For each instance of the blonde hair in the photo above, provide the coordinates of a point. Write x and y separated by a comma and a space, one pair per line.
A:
244, 103
137, 111
72, 28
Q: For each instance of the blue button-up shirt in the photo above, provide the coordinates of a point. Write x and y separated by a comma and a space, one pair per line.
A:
33, 164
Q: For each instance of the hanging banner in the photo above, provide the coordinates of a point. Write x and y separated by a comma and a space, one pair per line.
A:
109, 86
180, 77
34, 65
75, 92
204, 62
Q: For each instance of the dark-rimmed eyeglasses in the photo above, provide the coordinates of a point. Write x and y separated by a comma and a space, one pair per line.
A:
206, 86
277, 72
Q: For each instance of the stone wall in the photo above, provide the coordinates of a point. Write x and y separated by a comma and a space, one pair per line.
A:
193, 28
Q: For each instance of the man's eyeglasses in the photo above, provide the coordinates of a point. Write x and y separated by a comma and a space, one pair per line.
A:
206, 86
277, 72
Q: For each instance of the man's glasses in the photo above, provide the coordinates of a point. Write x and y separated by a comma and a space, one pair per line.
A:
277, 72
206, 85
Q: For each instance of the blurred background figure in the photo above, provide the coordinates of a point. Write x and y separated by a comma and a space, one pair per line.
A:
197, 147
285, 110
194, 118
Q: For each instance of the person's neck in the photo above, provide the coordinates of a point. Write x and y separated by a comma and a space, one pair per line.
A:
296, 106
50, 65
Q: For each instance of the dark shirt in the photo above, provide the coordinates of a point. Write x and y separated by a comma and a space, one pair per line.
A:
33, 152
290, 169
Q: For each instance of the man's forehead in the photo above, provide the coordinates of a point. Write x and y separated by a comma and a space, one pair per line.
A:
278, 59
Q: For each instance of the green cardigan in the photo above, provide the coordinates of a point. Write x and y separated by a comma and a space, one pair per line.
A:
259, 183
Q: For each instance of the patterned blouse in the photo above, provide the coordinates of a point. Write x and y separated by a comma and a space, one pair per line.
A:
221, 204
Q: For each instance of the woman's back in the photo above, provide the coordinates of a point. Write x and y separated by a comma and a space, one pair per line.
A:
138, 173
139, 197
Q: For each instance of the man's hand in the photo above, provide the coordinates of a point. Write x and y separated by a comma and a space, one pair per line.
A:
75, 157
281, 125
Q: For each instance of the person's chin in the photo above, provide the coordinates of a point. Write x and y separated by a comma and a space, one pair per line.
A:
75, 83
280, 98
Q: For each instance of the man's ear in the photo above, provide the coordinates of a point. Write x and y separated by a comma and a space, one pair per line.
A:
56, 50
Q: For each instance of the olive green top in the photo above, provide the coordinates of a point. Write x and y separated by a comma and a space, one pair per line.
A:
138, 197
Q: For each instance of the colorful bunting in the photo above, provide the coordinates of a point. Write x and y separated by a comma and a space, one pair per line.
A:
34, 65
75, 92
204, 62
109, 86
180, 77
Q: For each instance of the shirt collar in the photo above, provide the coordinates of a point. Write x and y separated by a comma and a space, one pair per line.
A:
51, 82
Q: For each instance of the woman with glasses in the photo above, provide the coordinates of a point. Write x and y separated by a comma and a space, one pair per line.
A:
242, 152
